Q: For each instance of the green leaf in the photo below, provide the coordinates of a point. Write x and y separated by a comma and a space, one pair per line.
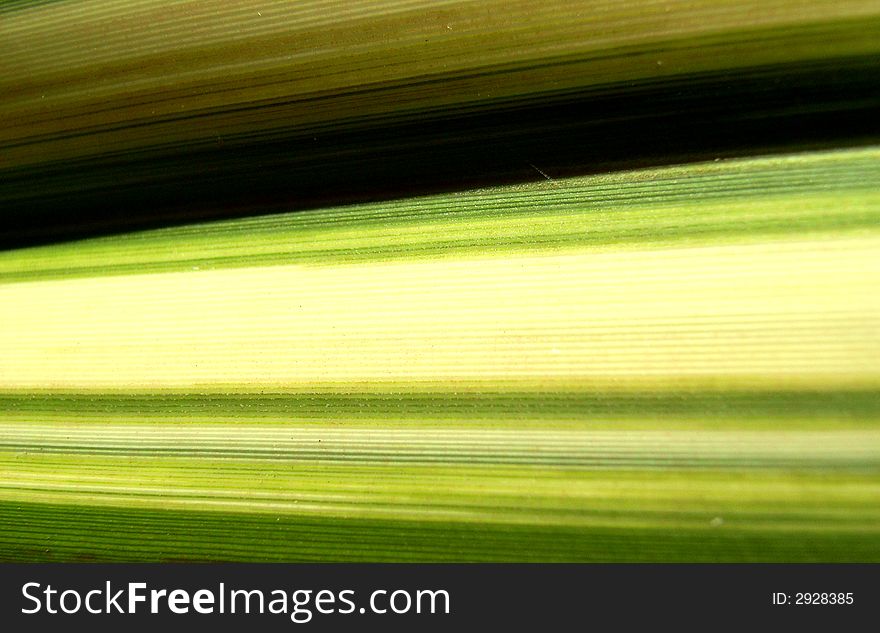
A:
666, 364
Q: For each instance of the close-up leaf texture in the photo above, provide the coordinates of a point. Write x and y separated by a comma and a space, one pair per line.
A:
440, 281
